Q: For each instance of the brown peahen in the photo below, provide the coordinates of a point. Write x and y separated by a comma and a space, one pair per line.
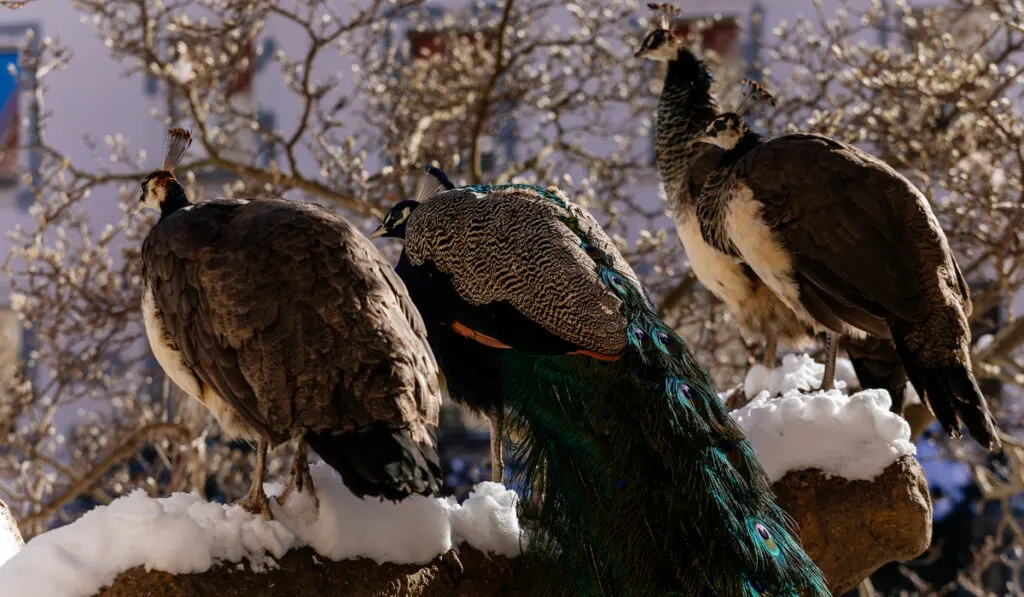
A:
842, 238
287, 323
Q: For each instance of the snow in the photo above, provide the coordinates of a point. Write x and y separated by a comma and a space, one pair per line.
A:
185, 534
851, 436
798, 372
9, 544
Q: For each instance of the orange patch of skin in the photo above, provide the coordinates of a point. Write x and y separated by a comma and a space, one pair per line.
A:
607, 358
486, 340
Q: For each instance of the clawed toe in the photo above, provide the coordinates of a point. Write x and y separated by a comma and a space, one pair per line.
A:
257, 503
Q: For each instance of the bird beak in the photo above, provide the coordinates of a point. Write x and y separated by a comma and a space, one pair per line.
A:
379, 232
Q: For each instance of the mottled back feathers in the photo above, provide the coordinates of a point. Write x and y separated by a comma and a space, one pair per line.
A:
293, 317
497, 249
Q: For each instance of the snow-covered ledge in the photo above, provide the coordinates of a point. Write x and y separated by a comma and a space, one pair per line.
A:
183, 534
842, 466
795, 427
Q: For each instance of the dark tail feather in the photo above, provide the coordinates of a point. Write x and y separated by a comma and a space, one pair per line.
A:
878, 366
954, 397
955, 387
381, 462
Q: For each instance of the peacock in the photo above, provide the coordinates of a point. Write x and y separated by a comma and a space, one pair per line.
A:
287, 323
843, 239
647, 486
875, 360
687, 111
490, 405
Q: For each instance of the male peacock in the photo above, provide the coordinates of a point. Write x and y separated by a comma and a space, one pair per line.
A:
649, 488
845, 241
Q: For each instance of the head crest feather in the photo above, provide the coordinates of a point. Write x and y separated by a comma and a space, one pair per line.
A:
435, 182
665, 13
178, 140
753, 93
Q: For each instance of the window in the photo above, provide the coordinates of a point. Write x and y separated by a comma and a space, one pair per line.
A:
722, 37
18, 115
969, 27
10, 117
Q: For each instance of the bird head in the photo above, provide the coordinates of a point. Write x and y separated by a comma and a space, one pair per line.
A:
662, 44
156, 186
725, 131
393, 225
728, 128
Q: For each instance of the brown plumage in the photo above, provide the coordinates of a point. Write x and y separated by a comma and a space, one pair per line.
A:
286, 322
854, 248
684, 110
846, 243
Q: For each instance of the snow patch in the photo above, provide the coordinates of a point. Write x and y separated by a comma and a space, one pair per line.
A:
185, 534
797, 373
844, 373
9, 544
855, 437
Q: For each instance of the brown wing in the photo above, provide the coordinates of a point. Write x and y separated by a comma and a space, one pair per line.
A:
292, 316
848, 219
514, 247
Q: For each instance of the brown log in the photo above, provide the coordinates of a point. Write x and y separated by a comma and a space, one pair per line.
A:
850, 528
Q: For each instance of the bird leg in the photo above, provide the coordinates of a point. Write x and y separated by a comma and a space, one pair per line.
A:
453, 565
497, 421
770, 348
256, 501
828, 379
299, 476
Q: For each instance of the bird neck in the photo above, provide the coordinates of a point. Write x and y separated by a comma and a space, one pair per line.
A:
174, 199
685, 109
749, 140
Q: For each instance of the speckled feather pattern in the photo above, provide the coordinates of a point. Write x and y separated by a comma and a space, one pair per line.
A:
684, 110
293, 317
644, 438
489, 240
712, 204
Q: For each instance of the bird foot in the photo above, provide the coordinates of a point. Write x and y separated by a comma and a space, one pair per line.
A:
298, 480
256, 503
452, 563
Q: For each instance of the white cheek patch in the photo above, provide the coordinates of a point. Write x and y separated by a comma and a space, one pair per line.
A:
154, 197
